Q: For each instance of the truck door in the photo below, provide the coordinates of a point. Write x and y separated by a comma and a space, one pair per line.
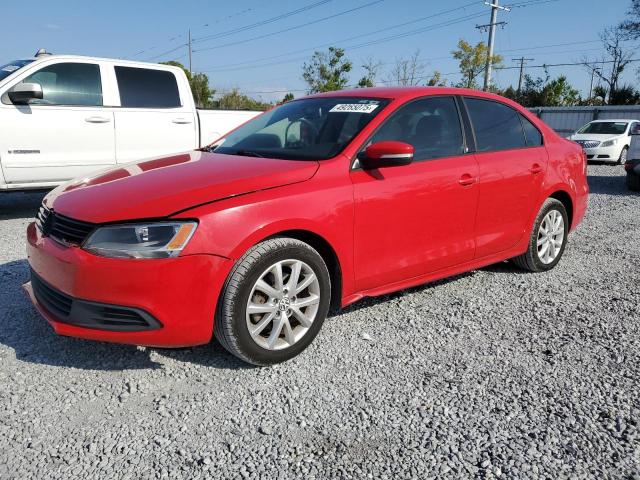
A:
66, 134
155, 117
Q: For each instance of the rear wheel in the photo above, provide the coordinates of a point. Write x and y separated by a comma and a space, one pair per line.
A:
548, 238
633, 182
274, 302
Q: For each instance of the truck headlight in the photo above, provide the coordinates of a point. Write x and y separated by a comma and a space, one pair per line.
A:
609, 143
144, 240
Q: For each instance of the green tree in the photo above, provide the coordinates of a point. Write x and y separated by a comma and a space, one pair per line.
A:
472, 61
287, 98
625, 95
234, 100
327, 71
371, 68
544, 92
199, 84
436, 80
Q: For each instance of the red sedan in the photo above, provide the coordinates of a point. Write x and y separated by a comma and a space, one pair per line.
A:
310, 206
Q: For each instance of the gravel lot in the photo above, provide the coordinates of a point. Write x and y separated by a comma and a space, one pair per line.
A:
492, 374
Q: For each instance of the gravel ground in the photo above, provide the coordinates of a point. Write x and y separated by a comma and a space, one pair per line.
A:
491, 374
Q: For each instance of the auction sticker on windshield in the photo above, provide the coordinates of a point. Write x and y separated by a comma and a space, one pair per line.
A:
353, 108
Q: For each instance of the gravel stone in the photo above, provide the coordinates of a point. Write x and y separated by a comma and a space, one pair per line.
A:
495, 373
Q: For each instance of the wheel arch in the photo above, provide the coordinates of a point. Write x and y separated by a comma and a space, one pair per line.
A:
563, 197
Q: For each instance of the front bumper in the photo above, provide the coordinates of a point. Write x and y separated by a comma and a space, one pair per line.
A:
179, 293
604, 154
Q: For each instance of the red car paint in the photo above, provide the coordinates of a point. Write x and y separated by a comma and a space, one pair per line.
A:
387, 229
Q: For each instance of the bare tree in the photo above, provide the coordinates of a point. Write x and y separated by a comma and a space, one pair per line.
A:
371, 68
613, 42
407, 71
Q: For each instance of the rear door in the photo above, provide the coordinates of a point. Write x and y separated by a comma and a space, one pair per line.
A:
416, 218
67, 133
512, 162
155, 117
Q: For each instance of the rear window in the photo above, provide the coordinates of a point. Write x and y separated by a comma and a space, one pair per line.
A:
531, 133
147, 88
497, 127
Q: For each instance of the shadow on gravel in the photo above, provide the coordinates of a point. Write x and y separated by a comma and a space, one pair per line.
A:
608, 185
23, 330
19, 204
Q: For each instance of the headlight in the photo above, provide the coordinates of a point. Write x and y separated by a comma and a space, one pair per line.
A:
609, 143
145, 240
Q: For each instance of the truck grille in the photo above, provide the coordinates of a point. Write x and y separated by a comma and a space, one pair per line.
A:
61, 228
588, 143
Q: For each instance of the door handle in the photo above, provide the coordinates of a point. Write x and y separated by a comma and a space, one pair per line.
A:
466, 180
182, 121
536, 168
97, 119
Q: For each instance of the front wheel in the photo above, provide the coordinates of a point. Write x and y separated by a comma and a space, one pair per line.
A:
548, 238
623, 155
274, 302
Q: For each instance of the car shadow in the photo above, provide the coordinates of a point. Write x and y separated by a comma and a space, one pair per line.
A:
608, 185
23, 330
20, 204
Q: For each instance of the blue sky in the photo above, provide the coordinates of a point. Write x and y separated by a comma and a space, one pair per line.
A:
266, 67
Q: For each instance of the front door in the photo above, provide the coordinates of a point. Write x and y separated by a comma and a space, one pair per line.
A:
416, 218
66, 134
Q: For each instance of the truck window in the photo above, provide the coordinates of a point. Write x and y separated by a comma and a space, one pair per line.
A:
68, 84
147, 88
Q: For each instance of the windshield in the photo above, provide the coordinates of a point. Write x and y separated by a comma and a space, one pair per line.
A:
605, 128
312, 128
8, 68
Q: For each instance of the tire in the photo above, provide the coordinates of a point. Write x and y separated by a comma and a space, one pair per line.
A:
264, 261
623, 156
633, 182
532, 260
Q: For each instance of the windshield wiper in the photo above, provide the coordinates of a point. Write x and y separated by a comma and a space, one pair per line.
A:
247, 153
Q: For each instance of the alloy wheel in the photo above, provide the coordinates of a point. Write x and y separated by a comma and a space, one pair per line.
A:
550, 237
283, 304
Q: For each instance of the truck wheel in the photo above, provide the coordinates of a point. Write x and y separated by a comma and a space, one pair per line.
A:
274, 302
623, 156
633, 182
548, 238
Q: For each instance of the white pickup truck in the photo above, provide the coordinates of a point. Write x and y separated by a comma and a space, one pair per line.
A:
64, 116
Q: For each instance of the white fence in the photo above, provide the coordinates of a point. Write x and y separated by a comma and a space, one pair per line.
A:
566, 120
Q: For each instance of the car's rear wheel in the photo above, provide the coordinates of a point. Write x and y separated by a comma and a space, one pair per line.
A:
274, 302
623, 156
548, 238
633, 182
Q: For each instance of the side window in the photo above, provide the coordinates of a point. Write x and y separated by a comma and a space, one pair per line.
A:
147, 88
532, 135
431, 125
68, 84
497, 127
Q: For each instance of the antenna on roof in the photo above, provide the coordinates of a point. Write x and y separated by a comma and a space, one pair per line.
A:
42, 52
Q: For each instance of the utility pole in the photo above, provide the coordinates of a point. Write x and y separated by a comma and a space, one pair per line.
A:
492, 36
189, 44
593, 73
521, 60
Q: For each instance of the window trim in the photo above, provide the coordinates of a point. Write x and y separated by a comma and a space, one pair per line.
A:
119, 95
354, 165
517, 112
5, 96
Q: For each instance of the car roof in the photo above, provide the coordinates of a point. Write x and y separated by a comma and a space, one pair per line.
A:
615, 120
406, 92
49, 56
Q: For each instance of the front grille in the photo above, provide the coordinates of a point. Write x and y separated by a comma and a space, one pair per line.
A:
61, 228
588, 143
87, 314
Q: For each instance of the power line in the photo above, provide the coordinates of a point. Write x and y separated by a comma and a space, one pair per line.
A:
295, 27
262, 22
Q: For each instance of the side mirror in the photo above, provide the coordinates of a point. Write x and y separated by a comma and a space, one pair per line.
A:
386, 154
21, 93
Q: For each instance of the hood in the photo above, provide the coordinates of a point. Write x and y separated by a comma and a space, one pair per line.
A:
160, 187
601, 137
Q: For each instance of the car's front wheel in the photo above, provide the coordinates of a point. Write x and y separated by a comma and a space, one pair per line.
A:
548, 238
274, 302
623, 155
